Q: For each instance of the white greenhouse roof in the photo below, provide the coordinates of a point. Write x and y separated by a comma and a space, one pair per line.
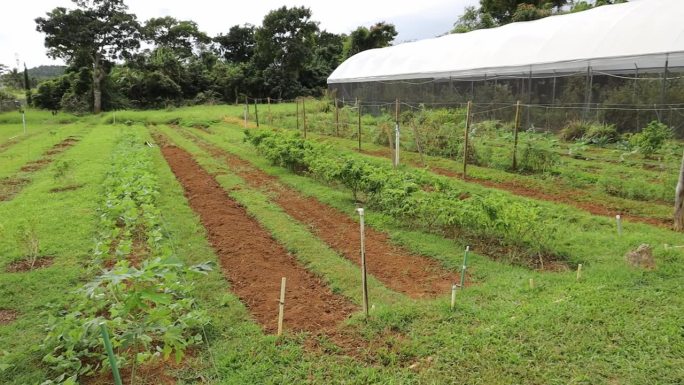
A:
613, 38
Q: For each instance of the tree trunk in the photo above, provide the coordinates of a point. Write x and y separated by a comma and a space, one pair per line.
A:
679, 200
97, 85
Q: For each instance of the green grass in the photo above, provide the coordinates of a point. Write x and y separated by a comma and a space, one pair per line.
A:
617, 325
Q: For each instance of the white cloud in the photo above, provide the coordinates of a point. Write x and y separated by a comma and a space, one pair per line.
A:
414, 19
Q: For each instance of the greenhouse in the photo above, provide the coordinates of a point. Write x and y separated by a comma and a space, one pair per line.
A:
623, 66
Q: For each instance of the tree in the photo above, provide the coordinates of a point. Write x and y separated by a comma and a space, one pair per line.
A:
237, 46
378, 36
3, 69
503, 11
181, 36
96, 31
27, 86
284, 46
473, 19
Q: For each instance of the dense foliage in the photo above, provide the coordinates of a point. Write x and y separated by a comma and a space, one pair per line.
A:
416, 197
287, 56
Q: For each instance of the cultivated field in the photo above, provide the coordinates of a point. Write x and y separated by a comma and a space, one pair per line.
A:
173, 228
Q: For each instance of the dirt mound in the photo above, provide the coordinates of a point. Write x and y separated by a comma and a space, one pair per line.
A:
8, 316
25, 265
641, 257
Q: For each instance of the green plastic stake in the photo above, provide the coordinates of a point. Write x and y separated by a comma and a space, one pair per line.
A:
463, 269
110, 354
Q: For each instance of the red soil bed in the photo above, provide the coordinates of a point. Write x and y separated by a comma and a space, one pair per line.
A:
253, 261
25, 265
414, 275
8, 316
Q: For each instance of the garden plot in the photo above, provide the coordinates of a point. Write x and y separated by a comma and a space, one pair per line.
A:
252, 261
396, 267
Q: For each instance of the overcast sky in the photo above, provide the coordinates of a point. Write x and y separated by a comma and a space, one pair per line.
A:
414, 19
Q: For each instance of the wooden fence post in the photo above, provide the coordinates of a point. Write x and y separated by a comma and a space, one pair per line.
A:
270, 117
465, 140
516, 126
358, 106
304, 115
256, 113
281, 306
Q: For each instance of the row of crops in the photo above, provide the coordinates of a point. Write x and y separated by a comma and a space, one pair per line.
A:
140, 291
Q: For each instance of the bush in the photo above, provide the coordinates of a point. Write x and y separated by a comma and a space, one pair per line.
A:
537, 160
601, 134
652, 138
573, 131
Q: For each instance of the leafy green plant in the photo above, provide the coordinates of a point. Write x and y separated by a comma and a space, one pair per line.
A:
537, 160
652, 138
147, 304
62, 171
601, 134
574, 130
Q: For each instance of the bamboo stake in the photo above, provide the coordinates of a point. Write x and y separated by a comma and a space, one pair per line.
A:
579, 271
464, 267
281, 306
618, 219
516, 127
416, 138
364, 284
110, 354
270, 116
465, 141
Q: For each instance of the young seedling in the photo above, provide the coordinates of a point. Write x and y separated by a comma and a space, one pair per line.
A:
28, 240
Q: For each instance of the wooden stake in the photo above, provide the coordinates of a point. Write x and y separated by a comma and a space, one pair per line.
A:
270, 117
304, 116
246, 110
364, 285
618, 219
579, 271
297, 113
358, 106
464, 267
465, 140
281, 306
337, 119
396, 134
453, 296
390, 141
416, 138
516, 126
256, 113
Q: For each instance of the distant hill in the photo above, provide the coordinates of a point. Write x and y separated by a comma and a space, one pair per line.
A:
46, 72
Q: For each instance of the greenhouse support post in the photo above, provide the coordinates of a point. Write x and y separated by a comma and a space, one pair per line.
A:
663, 89
529, 100
465, 139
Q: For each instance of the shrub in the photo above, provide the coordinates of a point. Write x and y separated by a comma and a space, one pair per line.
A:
652, 138
601, 134
537, 160
573, 131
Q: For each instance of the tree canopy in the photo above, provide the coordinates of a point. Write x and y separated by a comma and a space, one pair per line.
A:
288, 55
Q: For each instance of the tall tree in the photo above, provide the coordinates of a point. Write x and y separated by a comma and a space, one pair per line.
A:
503, 11
237, 46
377, 36
181, 36
472, 19
284, 46
96, 31
27, 86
